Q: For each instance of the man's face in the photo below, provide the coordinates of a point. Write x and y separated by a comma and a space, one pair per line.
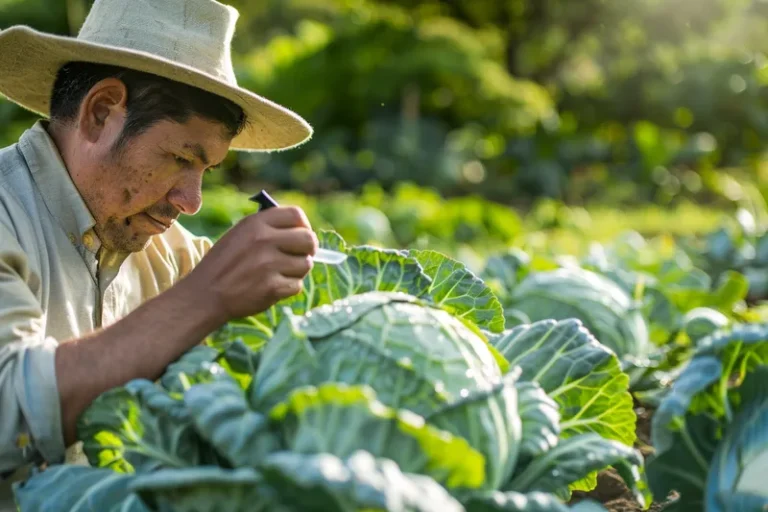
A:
140, 190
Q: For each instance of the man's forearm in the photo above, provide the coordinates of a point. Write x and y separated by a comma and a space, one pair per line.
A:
141, 345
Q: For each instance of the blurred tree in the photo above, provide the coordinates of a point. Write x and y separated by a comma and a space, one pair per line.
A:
636, 99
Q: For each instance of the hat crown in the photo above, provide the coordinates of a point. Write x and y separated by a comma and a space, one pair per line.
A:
196, 33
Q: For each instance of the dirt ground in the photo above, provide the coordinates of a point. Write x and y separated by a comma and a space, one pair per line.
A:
610, 490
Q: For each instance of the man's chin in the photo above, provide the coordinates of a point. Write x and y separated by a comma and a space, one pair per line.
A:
127, 242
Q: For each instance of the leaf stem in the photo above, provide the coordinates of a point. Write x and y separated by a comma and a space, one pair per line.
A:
692, 448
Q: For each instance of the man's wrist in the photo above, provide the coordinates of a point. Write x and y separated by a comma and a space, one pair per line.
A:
200, 309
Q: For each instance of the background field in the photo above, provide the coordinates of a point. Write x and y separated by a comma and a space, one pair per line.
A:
625, 135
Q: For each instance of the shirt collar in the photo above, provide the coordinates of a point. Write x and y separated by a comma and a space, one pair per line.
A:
56, 186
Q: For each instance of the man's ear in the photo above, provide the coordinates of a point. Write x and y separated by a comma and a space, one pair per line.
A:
102, 111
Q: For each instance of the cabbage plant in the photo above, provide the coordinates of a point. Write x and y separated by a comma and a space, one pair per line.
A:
606, 309
389, 384
710, 432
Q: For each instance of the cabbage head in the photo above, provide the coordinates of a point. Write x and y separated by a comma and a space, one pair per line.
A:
419, 358
604, 308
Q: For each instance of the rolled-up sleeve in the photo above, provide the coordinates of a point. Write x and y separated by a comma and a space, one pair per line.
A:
30, 410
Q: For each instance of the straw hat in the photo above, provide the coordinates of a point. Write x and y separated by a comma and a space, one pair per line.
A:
183, 40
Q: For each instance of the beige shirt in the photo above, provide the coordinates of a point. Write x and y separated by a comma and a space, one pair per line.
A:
55, 285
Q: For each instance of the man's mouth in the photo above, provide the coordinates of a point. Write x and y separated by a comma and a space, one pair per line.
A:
157, 223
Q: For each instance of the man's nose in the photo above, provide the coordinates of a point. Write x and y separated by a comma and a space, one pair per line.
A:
187, 196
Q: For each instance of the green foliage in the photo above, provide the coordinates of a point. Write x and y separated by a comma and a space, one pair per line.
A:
630, 100
428, 396
709, 430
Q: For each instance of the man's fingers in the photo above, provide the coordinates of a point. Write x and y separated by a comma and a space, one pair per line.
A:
285, 217
282, 287
295, 267
298, 241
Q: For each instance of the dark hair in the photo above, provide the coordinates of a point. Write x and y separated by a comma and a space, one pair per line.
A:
151, 98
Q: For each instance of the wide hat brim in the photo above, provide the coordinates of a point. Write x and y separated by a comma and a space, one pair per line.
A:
30, 60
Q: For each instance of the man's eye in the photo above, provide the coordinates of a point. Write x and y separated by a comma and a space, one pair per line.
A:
182, 160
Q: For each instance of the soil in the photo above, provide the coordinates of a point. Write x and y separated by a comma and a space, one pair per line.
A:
610, 490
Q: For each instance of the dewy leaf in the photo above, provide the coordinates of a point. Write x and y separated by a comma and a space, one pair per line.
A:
579, 373
366, 269
76, 488
489, 420
223, 417
459, 291
416, 356
189, 363
288, 361
139, 427
540, 419
311, 421
323, 482
517, 502
205, 489
740, 462
575, 458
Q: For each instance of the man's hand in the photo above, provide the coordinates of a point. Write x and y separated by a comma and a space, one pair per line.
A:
261, 260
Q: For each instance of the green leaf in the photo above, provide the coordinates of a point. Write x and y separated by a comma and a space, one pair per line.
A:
76, 488
741, 501
580, 374
740, 462
250, 331
711, 380
733, 289
190, 363
416, 356
540, 418
205, 489
701, 322
605, 309
222, 416
365, 269
489, 420
459, 291
683, 467
711, 429
503, 272
517, 502
573, 459
140, 428
312, 418
669, 417
323, 482
240, 362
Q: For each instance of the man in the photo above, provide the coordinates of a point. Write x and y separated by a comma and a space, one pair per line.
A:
99, 284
